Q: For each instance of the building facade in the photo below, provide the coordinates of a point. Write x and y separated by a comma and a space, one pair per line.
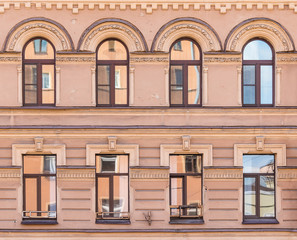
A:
148, 120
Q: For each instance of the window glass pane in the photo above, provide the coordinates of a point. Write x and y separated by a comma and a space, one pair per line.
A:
257, 50
121, 84
112, 50
176, 77
258, 163
249, 196
267, 192
266, 84
112, 164
30, 94
31, 195
249, 95
48, 196
185, 163
103, 194
48, 84
120, 193
176, 191
249, 74
185, 50
30, 74
193, 85
39, 164
193, 194
103, 95
103, 74
39, 49
176, 96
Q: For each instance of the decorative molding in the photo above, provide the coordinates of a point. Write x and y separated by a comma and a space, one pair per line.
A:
259, 27
58, 85
186, 27
193, 28
112, 143
131, 85
76, 59
30, 28
260, 143
204, 85
76, 174
20, 84
149, 6
38, 144
20, 149
9, 173
149, 174
166, 82
93, 149
223, 173
113, 28
10, 59
149, 59
186, 142
222, 59
93, 86
205, 150
278, 149
287, 173
278, 86
239, 90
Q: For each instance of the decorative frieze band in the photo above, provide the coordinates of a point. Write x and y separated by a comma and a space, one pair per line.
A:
75, 174
9, 173
148, 59
76, 59
223, 174
219, 5
222, 59
10, 59
149, 174
287, 174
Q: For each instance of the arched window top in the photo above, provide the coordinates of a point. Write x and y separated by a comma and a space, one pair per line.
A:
112, 50
39, 48
257, 50
185, 50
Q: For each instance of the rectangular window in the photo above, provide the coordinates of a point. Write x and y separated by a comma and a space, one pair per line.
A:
259, 186
112, 187
39, 187
185, 186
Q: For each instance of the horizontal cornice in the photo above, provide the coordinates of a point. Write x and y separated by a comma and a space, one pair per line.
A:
223, 6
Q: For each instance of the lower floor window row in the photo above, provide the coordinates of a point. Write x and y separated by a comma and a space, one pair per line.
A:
112, 187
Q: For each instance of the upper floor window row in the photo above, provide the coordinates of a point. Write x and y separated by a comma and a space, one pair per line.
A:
112, 75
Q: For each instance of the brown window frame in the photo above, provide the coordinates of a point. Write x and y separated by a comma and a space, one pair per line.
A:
258, 64
256, 218
38, 189
112, 64
111, 218
183, 176
185, 64
38, 63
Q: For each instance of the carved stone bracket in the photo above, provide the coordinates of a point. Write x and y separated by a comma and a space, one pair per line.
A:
112, 143
260, 143
186, 143
38, 144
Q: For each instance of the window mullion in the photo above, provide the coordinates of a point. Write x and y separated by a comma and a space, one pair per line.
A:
112, 84
185, 84
39, 84
258, 195
111, 195
39, 194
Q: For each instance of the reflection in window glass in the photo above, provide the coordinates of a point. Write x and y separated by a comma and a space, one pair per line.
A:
185, 186
39, 174
112, 74
185, 73
112, 186
259, 191
257, 77
39, 76
257, 50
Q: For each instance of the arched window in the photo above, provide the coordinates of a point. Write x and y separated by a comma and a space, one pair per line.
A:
112, 73
258, 74
185, 73
38, 73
